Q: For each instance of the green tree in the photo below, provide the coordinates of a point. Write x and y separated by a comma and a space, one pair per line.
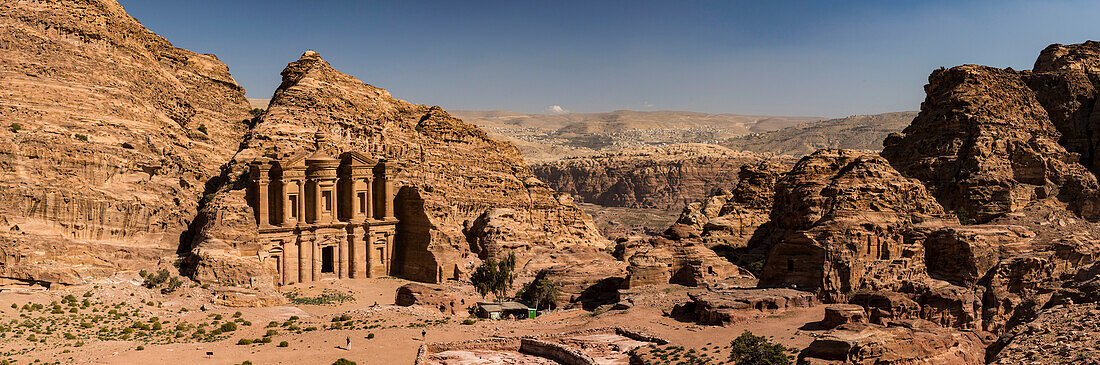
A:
495, 277
749, 349
540, 293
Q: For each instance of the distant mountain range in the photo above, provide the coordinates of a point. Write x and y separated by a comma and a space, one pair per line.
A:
547, 137
551, 137
857, 132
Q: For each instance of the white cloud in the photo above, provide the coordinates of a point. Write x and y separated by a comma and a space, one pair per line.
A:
556, 109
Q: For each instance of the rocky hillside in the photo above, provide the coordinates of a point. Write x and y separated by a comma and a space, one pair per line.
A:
460, 190
109, 135
857, 132
548, 137
973, 230
662, 178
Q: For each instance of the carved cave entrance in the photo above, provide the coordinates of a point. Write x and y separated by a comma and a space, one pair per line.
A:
328, 265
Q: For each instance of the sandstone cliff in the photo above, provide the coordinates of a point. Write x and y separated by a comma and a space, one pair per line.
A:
109, 135
462, 194
839, 222
985, 146
663, 178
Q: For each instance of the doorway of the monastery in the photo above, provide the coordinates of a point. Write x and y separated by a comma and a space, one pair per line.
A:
327, 258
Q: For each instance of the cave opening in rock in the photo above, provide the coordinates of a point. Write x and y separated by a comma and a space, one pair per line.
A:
327, 257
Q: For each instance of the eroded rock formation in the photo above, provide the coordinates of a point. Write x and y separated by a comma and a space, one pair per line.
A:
840, 220
908, 342
109, 135
985, 146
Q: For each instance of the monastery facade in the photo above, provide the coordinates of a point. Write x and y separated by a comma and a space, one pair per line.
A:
323, 216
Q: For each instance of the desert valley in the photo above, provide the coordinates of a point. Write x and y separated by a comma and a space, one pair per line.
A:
152, 213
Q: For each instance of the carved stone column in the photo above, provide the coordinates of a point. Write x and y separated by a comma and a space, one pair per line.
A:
290, 261
316, 260
301, 201
305, 254
342, 258
261, 177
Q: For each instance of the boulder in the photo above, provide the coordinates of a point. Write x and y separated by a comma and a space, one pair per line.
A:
427, 295
841, 314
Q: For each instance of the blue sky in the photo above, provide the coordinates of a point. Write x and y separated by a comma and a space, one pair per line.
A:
748, 57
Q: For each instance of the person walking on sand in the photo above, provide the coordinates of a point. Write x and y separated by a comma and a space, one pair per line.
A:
348, 347
423, 334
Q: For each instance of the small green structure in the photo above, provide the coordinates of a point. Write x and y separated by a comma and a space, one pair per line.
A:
493, 310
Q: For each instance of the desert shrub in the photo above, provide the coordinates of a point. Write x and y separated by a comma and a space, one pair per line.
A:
202, 128
155, 280
749, 349
271, 333
139, 348
284, 344
244, 341
370, 335
343, 361
468, 321
327, 297
15, 127
81, 137
228, 327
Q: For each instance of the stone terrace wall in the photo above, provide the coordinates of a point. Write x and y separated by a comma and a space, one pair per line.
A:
537, 346
560, 353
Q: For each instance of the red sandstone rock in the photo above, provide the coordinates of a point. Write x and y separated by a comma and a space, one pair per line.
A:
728, 306
909, 342
119, 132
841, 314
840, 221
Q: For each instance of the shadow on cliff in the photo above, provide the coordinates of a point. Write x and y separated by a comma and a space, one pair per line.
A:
210, 188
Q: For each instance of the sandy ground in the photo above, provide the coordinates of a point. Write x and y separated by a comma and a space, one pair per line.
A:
396, 330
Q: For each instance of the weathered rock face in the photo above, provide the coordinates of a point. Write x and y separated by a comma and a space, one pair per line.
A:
1068, 334
840, 314
586, 279
985, 146
724, 307
1065, 79
963, 255
908, 342
662, 261
840, 220
110, 134
663, 178
450, 173
732, 219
